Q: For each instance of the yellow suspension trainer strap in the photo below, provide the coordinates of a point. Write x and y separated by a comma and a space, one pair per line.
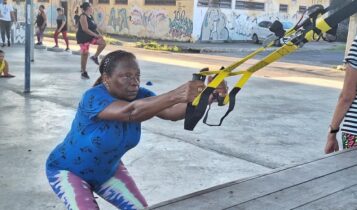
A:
315, 25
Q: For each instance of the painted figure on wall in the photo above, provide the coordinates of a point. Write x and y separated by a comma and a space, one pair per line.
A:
214, 26
118, 20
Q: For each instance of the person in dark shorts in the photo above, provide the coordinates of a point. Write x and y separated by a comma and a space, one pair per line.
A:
61, 28
88, 34
41, 23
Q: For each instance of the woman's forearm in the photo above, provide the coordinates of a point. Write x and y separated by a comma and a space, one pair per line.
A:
145, 109
139, 110
347, 96
174, 113
342, 107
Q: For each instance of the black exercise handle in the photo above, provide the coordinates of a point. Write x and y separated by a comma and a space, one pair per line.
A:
191, 117
342, 14
220, 100
195, 114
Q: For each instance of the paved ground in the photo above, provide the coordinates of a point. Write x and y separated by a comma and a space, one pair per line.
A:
281, 118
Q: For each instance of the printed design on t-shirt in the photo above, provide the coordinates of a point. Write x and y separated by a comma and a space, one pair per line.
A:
81, 128
78, 160
97, 141
90, 101
72, 141
116, 126
105, 127
111, 151
86, 171
97, 160
86, 149
62, 151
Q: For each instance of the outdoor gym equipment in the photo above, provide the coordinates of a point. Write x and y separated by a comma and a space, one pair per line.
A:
313, 27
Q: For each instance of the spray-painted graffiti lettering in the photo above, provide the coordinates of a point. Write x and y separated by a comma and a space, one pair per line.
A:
18, 33
151, 20
181, 26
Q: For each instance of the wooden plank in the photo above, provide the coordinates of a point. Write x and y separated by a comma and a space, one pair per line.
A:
233, 193
345, 199
303, 193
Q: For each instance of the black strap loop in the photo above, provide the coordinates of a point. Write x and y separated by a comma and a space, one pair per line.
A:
232, 103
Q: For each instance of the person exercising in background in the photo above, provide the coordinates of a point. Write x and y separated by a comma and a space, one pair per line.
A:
4, 66
61, 28
41, 23
88, 34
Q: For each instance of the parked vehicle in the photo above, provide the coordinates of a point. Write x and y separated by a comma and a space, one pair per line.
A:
261, 31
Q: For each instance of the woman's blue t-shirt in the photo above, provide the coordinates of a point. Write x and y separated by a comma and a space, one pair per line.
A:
93, 147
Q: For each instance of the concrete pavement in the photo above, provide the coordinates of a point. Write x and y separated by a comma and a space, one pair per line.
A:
276, 123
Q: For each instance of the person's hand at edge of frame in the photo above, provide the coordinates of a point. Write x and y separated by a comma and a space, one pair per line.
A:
331, 144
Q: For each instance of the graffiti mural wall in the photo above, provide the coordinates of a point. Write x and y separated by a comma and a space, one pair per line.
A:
50, 8
222, 24
18, 28
137, 19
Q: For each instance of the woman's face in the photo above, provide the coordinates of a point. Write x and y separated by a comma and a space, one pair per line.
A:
90, 10
125, 80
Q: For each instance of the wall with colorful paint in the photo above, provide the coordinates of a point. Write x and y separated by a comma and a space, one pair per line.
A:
137, 19
213, 24
50, 9
18, 28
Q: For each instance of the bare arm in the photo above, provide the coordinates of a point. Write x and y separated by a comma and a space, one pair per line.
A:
174, 113
84, 24
347, 96
144, 109
345, 100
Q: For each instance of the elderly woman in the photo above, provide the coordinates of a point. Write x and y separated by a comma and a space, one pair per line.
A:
346, 107
106, 126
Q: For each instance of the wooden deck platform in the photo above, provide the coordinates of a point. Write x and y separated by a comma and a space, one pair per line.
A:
326, 183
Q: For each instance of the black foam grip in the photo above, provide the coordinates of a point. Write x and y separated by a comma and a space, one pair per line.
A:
220, 100
195, 114
342, 14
